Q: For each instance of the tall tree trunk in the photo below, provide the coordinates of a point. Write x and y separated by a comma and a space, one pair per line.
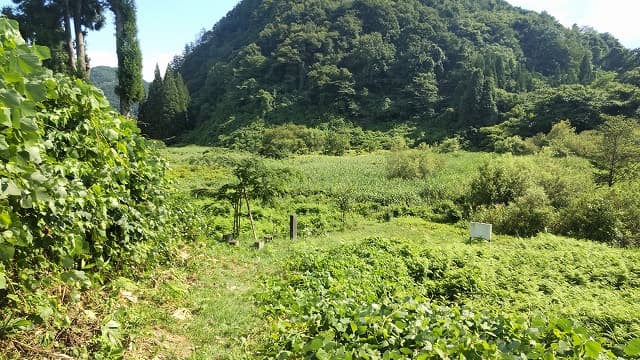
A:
80, 50
69, 37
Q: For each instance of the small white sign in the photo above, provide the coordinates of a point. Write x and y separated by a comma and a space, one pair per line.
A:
480, 230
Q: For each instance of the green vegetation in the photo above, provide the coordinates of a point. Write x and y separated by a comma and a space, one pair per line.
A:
422, 300
364, 115
362, 284
106, 79
130, 87
81, 202
164, 111
484, 71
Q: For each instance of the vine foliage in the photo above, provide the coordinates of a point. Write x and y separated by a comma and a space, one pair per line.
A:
80, 189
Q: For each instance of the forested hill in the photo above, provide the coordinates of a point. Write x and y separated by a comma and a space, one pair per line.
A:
442, 67
105, 78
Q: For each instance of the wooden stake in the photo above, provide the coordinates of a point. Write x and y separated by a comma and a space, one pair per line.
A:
253, 227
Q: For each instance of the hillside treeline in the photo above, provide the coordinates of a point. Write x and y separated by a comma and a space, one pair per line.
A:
440, 68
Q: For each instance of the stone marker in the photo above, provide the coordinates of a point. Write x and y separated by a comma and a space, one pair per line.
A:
259, 245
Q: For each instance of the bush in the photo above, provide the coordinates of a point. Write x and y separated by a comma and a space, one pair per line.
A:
499, 182
514, 145
627, 200
82, 192
284, 140
447, 211
563, 141
527, 216
411, 164
450, 145
592, 216
337, 144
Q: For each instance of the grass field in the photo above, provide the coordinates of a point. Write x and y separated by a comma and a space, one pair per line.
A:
223, 302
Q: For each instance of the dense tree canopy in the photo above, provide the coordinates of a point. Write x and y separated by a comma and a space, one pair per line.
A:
130, 87
164, 111
49, 23
447, 66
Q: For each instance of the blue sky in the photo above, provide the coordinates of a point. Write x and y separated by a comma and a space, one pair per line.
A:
165, 26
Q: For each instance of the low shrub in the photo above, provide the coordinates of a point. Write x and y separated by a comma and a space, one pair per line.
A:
411, 164
499, 182
592, 216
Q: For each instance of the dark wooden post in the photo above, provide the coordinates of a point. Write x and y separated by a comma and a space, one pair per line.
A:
293, 227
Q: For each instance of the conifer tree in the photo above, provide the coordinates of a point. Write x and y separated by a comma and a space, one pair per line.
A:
150, 118
130, 88
164, 113
488, 110
469, 107
586, 75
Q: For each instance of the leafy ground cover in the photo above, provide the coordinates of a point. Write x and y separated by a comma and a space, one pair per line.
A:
402, 287
81, 206
99, 259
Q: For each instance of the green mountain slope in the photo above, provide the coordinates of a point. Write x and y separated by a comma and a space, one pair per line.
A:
105, 78
440, 66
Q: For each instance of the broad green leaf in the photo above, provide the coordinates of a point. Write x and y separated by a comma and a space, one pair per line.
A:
26, 202
633, 347
5, 117
22, 324
10, 98
3, 282
12, 77
72, 276
44, 312
3, 143
8, 188
34, 154
5, 219
111, 332
28, 124
28, 63
564, 346
36, 92
592, 349
67, 262
314, 345
41, 194
37, 177
111, 135
7, 252
322, 355
42, 52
